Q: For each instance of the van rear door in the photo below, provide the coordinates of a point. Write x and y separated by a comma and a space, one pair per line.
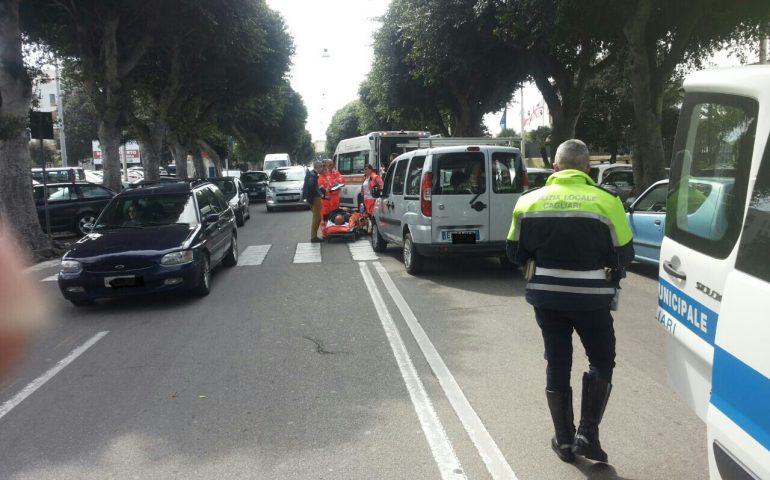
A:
704, 212
506, 185
460, 196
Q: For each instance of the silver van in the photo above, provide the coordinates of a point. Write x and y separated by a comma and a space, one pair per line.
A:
445, 201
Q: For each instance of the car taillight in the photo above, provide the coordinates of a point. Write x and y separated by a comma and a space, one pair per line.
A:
426, 204
525, 181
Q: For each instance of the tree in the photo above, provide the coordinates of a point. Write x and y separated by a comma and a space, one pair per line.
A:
17, 207
80, 119
344, 124
105, 41
564, 47
508, 133
449, 48
658, 36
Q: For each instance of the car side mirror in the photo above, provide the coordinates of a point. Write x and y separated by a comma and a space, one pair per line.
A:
628, 204
211, 218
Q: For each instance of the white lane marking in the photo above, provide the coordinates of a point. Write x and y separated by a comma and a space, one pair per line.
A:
52, 278
494, 459
253, 255
361, 250
41, 380
307, 253
443, 452
43, 265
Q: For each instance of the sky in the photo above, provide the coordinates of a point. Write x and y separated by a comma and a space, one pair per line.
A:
344, 29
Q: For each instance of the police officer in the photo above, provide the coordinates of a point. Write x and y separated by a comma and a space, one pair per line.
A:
574, 242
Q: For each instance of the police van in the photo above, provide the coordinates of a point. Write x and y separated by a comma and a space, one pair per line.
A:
714, 279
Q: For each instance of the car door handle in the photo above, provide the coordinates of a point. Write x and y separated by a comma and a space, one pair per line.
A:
479, 206
669, 267
657, 222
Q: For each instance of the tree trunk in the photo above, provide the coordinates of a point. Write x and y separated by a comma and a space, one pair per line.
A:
152, 151
109, 139
200, 166
180, 156
17, 207
647, 97
213, 155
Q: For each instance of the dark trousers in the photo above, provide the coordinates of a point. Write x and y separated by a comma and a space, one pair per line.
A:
596, 333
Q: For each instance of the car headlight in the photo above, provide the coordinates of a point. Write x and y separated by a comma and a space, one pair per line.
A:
271, 189
177, 258
234, 203
70, 266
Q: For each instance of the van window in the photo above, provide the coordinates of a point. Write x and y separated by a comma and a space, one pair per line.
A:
754, 251
712, 158
504, 173
352, 163
457, 173
622, 179
399, 176
388, 180
414, 176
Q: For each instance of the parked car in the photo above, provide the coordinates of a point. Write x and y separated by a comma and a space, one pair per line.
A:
647, 218
256, 183
538, 176
59, 174
236, 196
620, 182
285, 188
446, 201
158, 238
162, 179
71, 206
599, 171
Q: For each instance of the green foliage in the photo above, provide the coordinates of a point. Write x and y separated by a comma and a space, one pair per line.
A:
344, 124
508, 133
80, 120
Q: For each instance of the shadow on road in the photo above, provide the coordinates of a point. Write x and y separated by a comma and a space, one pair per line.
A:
597, 471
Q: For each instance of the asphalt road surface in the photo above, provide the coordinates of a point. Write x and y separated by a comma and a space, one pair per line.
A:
329, 363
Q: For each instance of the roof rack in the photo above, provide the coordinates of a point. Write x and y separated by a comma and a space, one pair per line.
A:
432, 142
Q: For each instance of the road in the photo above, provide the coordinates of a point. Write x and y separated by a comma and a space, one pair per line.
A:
335, 369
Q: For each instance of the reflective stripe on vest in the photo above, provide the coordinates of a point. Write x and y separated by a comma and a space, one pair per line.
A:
581, 274
568, 289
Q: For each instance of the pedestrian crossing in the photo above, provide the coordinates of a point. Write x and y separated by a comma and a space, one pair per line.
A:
304, 253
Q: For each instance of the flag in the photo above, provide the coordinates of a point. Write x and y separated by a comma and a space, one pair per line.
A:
538, 111
527, 118
503, 121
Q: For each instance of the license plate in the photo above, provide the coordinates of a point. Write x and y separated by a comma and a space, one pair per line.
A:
122, 281
464, 236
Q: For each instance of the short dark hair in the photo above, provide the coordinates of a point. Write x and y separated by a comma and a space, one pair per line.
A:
369, 166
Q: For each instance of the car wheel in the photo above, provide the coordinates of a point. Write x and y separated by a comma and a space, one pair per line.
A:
239, 220
82, 302
84, 219
378, 243
231, 259
413, 261
204, 279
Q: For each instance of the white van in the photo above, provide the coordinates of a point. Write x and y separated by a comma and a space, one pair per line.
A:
714, 287
446, 201
275, 160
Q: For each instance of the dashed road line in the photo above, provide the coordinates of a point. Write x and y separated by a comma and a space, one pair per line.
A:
443, 452
43, 265
361, 250
253, 255
308, 253
493, 458
41, 380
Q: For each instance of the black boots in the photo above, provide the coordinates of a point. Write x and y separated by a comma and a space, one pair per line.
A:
595, 394
560, 405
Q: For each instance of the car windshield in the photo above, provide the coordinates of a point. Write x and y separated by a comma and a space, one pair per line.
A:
271, 164
144, 211
288, 175
254, 177
227, 187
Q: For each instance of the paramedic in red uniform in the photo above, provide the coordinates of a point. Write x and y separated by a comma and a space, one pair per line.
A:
370, 181
334, 178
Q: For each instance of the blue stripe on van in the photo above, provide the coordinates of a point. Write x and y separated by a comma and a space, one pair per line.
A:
743, 394
689, 312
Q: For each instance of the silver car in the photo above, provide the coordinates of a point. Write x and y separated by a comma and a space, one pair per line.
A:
285, 188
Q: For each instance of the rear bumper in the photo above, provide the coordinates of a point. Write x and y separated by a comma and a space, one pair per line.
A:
486, 249
152, 280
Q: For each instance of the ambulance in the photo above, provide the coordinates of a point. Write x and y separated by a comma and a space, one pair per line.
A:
714, 279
